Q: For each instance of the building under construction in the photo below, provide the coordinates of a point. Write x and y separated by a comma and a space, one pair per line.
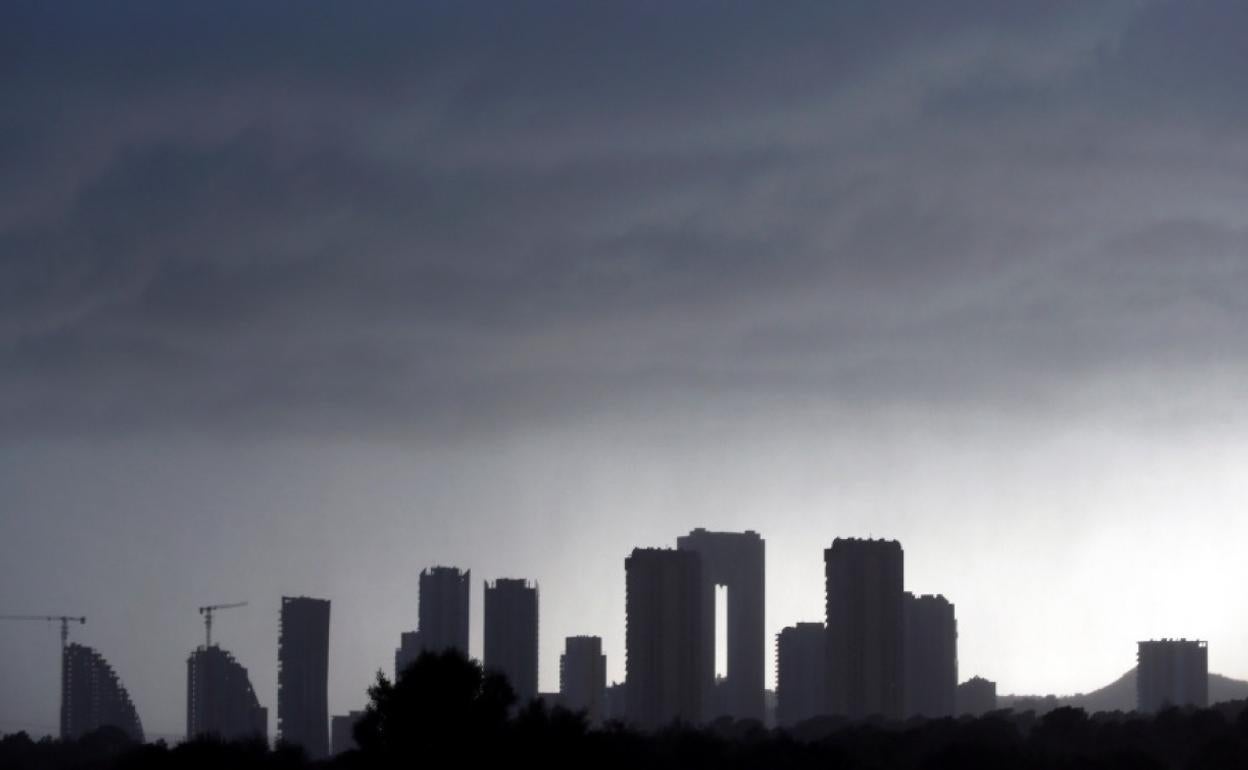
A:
93, 697
220, 701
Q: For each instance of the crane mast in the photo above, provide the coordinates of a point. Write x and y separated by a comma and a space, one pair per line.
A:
64, 620
207, 611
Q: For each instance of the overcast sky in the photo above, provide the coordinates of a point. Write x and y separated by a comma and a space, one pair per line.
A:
302, 297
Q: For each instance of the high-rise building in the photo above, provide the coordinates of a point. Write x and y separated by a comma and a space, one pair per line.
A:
583, 676
800, 677
976, 697
511, 634
407, 653
220, 700
444, 609
615, 704
342, 732
1172, 672
303, 675
93, 697
769, 709
552, 700
865, 618
735, 561
663, 637
931, 645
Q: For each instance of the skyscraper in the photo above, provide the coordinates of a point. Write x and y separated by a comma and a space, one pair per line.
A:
511, 634
220, 700
931, 645
800, 677
663, 639
865, 617
1172, 672
737, 562
444, 609
583, 676
303, 675
93, 697
615, 704
342, 731
407, 653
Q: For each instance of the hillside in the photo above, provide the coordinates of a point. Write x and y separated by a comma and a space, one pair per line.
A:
1118, 695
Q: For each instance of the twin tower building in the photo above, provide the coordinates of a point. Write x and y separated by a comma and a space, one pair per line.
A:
881, 651
671, 628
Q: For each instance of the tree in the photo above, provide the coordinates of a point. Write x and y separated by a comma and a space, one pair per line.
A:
443, 706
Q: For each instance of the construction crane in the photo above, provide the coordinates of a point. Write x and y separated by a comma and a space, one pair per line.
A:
207, 613
65, 620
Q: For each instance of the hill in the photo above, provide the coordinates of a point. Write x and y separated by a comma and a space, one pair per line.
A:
1118, 695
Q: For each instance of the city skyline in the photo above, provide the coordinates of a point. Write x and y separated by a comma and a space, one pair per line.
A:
304, 298
862, 573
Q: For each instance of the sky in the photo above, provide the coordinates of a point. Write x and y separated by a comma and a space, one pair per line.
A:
299, 298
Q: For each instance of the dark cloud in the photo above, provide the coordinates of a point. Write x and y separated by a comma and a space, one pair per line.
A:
222, 217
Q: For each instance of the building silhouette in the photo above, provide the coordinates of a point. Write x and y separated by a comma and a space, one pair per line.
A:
444, 609
551, 700
865, 619
93, 697
1172, 672
615, 703
220, 700
736, 561
583, 676
511, 632
976, 697
303, 675
407, 652
664, 650
800, 675
342, 732
931, 649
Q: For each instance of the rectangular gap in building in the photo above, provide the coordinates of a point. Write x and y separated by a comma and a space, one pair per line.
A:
721, 631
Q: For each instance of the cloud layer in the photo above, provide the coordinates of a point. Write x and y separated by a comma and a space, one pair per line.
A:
401, 217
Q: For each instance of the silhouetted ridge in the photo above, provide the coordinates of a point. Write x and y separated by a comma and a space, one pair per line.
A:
1119, 695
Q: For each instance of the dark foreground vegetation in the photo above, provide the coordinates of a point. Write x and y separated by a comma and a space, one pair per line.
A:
444, 713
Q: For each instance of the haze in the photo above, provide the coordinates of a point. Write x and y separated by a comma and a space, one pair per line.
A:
300, 298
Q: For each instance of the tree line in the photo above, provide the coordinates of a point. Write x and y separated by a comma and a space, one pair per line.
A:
444, 711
